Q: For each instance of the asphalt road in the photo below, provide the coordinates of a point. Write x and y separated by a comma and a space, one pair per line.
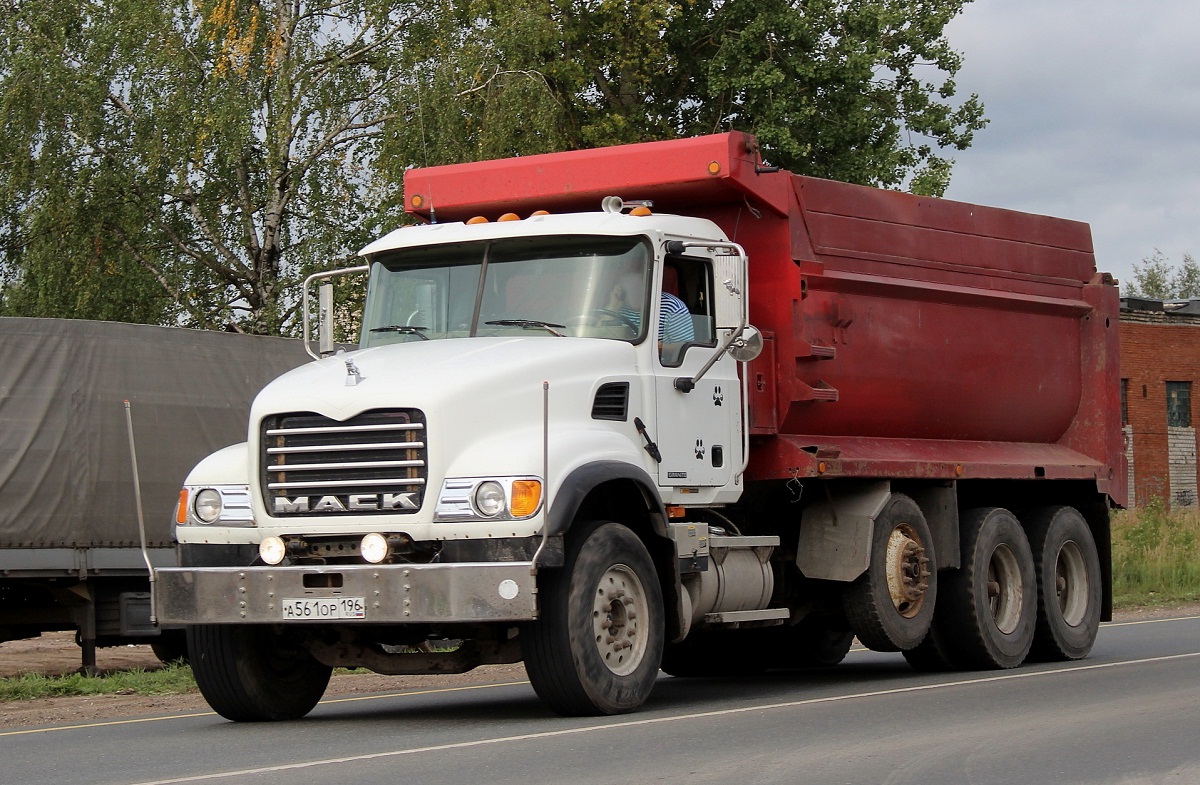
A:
1128, 714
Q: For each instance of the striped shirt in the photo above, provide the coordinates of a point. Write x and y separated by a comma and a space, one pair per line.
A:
674, 320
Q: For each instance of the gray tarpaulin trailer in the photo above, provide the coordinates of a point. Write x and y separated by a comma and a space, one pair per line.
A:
70, 554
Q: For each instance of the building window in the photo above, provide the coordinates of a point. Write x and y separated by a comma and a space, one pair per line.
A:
1124, 402
1179, 404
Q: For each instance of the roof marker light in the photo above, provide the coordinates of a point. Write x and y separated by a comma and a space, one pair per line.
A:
479, 219
509, 217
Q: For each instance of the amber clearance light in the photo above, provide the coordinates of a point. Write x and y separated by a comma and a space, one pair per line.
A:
181, 508
525, 497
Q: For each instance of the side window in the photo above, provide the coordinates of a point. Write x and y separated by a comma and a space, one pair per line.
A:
686, 307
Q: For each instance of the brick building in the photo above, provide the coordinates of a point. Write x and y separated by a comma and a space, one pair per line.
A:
1160, 367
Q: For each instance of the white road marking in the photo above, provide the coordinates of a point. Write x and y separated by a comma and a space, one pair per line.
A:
660, 720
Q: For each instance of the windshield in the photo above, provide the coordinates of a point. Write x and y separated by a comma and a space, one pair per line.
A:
569, 286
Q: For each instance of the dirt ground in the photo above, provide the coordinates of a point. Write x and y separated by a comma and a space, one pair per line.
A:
56, 654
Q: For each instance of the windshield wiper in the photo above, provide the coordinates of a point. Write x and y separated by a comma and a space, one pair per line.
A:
530, 323
407, 329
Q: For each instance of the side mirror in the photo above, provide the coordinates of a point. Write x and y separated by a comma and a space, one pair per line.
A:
325, 341
325, 345
746, 346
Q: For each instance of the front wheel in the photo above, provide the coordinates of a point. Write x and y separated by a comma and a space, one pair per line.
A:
251, 673
598, 641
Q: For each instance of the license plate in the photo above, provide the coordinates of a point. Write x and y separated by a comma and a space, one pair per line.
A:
325, 608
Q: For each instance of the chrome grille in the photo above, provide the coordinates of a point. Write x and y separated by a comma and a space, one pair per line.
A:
374, 463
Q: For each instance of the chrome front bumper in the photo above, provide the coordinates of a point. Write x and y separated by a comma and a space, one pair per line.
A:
392, 594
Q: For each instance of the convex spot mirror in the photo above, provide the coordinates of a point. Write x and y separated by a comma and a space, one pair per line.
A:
746, 346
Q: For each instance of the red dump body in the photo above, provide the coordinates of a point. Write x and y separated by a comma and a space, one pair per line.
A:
905, 336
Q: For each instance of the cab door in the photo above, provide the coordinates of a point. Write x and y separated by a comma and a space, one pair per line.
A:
698, 430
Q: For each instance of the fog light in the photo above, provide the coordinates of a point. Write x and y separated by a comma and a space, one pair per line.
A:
272, 550
489, 498
374, 548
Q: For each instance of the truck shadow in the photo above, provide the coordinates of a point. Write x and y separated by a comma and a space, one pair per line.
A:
517, 704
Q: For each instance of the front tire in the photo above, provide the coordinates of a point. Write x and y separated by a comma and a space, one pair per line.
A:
890, 606
598, 641
251, 673
1070, 589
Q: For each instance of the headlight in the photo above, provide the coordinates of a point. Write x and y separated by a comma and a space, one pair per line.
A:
207, 505
489, 499
223, 505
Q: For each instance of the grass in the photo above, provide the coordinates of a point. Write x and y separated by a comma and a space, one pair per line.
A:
1156, 555
1156, 561
170, 680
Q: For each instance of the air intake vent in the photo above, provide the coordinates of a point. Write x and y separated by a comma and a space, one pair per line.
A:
371, 464
612, 402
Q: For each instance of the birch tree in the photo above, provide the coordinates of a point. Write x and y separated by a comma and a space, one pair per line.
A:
234, 139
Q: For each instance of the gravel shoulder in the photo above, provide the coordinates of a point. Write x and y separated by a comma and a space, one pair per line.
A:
57, 654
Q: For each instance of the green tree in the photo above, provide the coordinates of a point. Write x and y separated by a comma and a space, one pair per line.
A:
189, 161
211, 152
1156, 277
853, 90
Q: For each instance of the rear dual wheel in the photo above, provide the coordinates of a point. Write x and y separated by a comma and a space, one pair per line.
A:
987, 609
1070, 586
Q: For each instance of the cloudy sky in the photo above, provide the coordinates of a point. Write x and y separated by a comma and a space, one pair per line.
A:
1095, 115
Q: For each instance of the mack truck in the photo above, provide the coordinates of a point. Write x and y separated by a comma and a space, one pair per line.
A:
663, 406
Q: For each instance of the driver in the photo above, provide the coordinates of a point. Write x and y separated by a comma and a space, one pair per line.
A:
674, 322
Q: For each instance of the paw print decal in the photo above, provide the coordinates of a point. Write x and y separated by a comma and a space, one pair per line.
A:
718, 396
699, 449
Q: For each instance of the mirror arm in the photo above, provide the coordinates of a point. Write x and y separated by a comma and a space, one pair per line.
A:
325, 311
686, 384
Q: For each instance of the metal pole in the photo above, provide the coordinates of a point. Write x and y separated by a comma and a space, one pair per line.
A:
137, 493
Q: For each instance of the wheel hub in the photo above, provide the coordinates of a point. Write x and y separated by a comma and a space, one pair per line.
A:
1005, 589
619, 607
907, 570
1071, 583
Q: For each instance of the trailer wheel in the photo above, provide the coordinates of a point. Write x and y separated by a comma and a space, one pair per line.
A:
987, 610
598, 642
1069, 584
890, 606
250, 673
170, 646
